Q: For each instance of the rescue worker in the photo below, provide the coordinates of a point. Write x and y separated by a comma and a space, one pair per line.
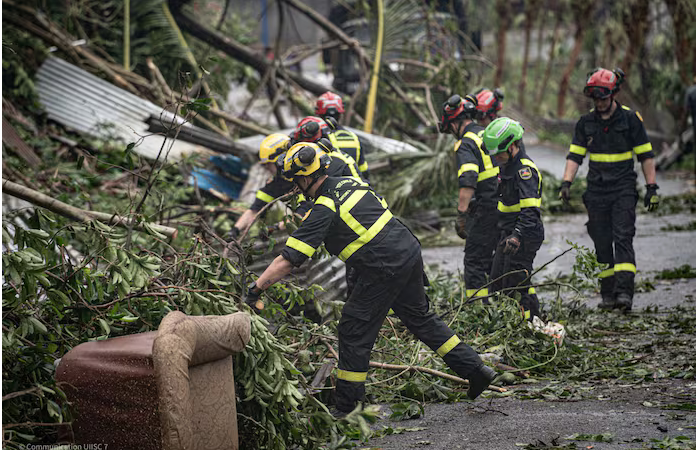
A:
489, 103
356, 225
477, 217
315, 129
612, 134
329, 106
519, 220
272, 147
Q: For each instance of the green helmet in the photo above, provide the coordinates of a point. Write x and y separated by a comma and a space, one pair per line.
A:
501, 133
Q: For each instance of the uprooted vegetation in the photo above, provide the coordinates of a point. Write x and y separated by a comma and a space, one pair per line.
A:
69, 282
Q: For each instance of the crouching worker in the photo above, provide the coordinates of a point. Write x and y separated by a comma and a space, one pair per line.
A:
356, 225
519, 221
271, 148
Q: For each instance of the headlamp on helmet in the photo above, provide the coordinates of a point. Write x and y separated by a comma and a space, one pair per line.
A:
456, 109
305, 159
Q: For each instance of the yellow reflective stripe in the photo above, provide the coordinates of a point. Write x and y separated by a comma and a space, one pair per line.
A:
642, 148
531, 203
325, 201
488, 173
348, 218
474, 137
508, 208
364, 166
524, 203
448, 345
606, 273
527, 314
578, 150
625, 267
349, 161
267, 198
357, 377
467, 167
627, 108
300, 246
531, 291
611, 157
366, 236
477, 292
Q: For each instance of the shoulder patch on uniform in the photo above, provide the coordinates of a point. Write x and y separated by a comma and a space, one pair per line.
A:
640, 116
525, 173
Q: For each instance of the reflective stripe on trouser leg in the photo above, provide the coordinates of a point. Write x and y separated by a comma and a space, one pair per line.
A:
599, 227
623, 231
362, 317
413, 309
478, 251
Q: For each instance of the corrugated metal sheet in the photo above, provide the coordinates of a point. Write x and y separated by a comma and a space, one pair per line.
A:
85, 103
376, 143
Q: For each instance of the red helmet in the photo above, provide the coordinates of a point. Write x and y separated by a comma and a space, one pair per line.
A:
329, 104
602, 83
311, 129
489, 101
456, 108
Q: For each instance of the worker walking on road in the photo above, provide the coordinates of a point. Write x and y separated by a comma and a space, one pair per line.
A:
477, 217
272, 147
356, 225
519, 220
329, 106
612, 134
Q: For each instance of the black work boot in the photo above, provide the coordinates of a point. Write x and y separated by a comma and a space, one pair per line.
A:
624, 302
480, 380
608, 303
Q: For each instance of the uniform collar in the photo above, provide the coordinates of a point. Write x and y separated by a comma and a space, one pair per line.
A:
615, 115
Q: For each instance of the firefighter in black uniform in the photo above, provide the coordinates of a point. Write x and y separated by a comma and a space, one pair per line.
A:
315, 129
329, 106
272, 147
519, 201
612, 134
356, 225
477, 217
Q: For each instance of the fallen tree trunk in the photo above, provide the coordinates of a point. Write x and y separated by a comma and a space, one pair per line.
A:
80, 215
235, 49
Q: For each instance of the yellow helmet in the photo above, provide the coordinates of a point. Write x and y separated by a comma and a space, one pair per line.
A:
305, 159
273, 146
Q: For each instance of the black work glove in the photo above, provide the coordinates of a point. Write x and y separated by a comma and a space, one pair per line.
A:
565, 191
651, 200
252, 298
461, 224
512, 244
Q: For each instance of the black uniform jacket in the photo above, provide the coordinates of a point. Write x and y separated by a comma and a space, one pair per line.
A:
611, 145
356, 225
520, 196
474, 166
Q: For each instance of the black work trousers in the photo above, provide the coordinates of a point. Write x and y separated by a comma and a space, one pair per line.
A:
363, 315
482, 239
611, 218
530, 242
